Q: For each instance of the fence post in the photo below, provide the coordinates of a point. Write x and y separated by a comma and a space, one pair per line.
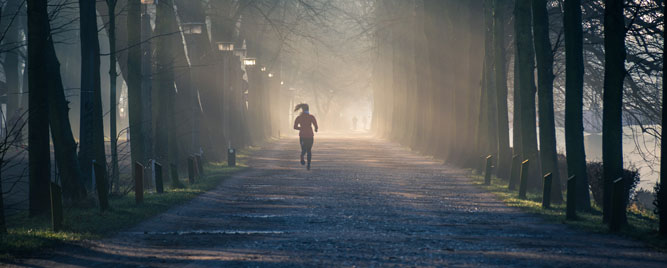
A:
157, 172
231, 157
56, 207
617, 217
571, 212
191, 170
102, 185
523, 184
195, 167
514, 172
546, 191
138, 182
488, 169
200, 165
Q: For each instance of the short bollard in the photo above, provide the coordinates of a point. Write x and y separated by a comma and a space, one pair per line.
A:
514, 172
571, 211
191, 170
102, 185
200, 165
617, 217
56, 207
488, 169
157, 172
546, 191
195, 167
175, 182
523, 184
138, 182
231, 157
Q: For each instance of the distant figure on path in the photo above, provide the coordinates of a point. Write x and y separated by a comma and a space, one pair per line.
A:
354, 123
303, 124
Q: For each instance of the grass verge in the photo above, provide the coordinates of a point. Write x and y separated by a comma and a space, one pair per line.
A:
26, 235
642, 223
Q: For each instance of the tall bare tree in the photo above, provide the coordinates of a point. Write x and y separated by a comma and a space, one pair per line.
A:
527, 90
545, 79
574, 86
91, 128
614, 74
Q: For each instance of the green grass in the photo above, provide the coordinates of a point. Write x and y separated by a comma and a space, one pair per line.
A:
642, 223
26, 235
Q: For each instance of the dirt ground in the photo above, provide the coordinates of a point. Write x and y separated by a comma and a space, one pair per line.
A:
366, 202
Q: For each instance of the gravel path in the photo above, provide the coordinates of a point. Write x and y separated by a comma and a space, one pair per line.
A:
365, 203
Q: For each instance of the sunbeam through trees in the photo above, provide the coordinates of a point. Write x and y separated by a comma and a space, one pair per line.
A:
415, 120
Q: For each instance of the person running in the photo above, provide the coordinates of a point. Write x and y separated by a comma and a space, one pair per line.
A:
303, 124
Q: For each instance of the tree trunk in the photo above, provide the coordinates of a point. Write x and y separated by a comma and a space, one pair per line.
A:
113, 77
134, 82
11, 25
91, 128
545, 78
490, 83
574, 84
121, 34
525, 53
147, 91
516, 100
614, 73
198, 47
3, 223
661, 197
165, 138
45, 80
504, 160
474, 83
38, 118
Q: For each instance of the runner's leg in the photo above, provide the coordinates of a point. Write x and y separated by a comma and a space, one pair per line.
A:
309, 146
303, 149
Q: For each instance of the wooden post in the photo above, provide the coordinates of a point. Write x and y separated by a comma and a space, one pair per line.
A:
571, 212
231, 157
523, 185
514, 172
200, 165
191, 170
617, 217
546, 191
138, 182
487, 170
56, 207
102, 185
157, 172
196, 167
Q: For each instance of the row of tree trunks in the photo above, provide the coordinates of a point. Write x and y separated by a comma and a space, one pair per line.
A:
462, 95
419, 85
